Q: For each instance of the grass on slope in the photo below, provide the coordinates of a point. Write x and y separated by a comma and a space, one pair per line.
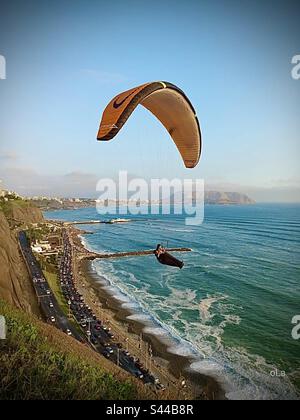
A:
38, 362
53, 283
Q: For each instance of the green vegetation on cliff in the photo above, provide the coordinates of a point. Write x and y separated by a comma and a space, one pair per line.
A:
19, 212
39, 362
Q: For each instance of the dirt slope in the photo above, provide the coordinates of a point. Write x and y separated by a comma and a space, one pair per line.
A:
15, 284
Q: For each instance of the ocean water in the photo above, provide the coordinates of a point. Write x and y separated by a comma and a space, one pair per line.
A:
230, 309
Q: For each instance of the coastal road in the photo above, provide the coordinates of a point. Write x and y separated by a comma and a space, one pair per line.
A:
46, 299
100, 336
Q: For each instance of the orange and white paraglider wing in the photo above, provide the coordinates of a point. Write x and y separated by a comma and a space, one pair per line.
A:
172, 108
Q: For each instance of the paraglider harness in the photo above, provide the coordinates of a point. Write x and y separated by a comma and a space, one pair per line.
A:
167, 259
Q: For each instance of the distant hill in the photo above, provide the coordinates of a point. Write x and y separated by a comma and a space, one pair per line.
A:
217, 197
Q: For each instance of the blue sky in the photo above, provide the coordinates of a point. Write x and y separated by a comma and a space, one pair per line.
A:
67, 59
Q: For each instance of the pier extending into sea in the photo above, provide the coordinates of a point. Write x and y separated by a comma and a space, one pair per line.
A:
94, 255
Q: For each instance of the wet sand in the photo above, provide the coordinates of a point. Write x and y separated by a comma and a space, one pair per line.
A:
169, 367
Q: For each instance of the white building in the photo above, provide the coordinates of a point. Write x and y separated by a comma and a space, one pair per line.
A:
37, 249
42, 246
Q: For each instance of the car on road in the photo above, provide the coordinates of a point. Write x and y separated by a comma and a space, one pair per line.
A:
94, 341
109, 349
51, 305
48, 292
160, 386
139, 375
52, 319
68, 332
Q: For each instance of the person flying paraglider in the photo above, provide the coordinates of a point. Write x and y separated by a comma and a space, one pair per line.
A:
169, 104
167, 259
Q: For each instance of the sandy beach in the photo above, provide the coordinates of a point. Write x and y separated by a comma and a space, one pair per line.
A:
171, 369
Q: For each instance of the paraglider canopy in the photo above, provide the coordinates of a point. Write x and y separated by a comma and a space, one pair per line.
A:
169, 104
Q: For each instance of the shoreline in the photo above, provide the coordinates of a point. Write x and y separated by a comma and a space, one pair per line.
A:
170, 367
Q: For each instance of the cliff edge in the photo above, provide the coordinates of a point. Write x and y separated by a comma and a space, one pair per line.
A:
15, 284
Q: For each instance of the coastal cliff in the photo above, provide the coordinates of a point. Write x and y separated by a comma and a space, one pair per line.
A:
220, 197
215, 197
15, 284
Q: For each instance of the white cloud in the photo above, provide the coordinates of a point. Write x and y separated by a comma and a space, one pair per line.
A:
9, 155
28, 182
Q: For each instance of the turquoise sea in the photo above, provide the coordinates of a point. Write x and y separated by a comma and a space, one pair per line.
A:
230, 309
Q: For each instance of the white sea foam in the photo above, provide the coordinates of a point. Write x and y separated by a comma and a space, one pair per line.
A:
129, 305
87, 245
83, 241
121, 297
161, 332
245, 383
183, 349
178, 230
207, 367
139, 317
205, 305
